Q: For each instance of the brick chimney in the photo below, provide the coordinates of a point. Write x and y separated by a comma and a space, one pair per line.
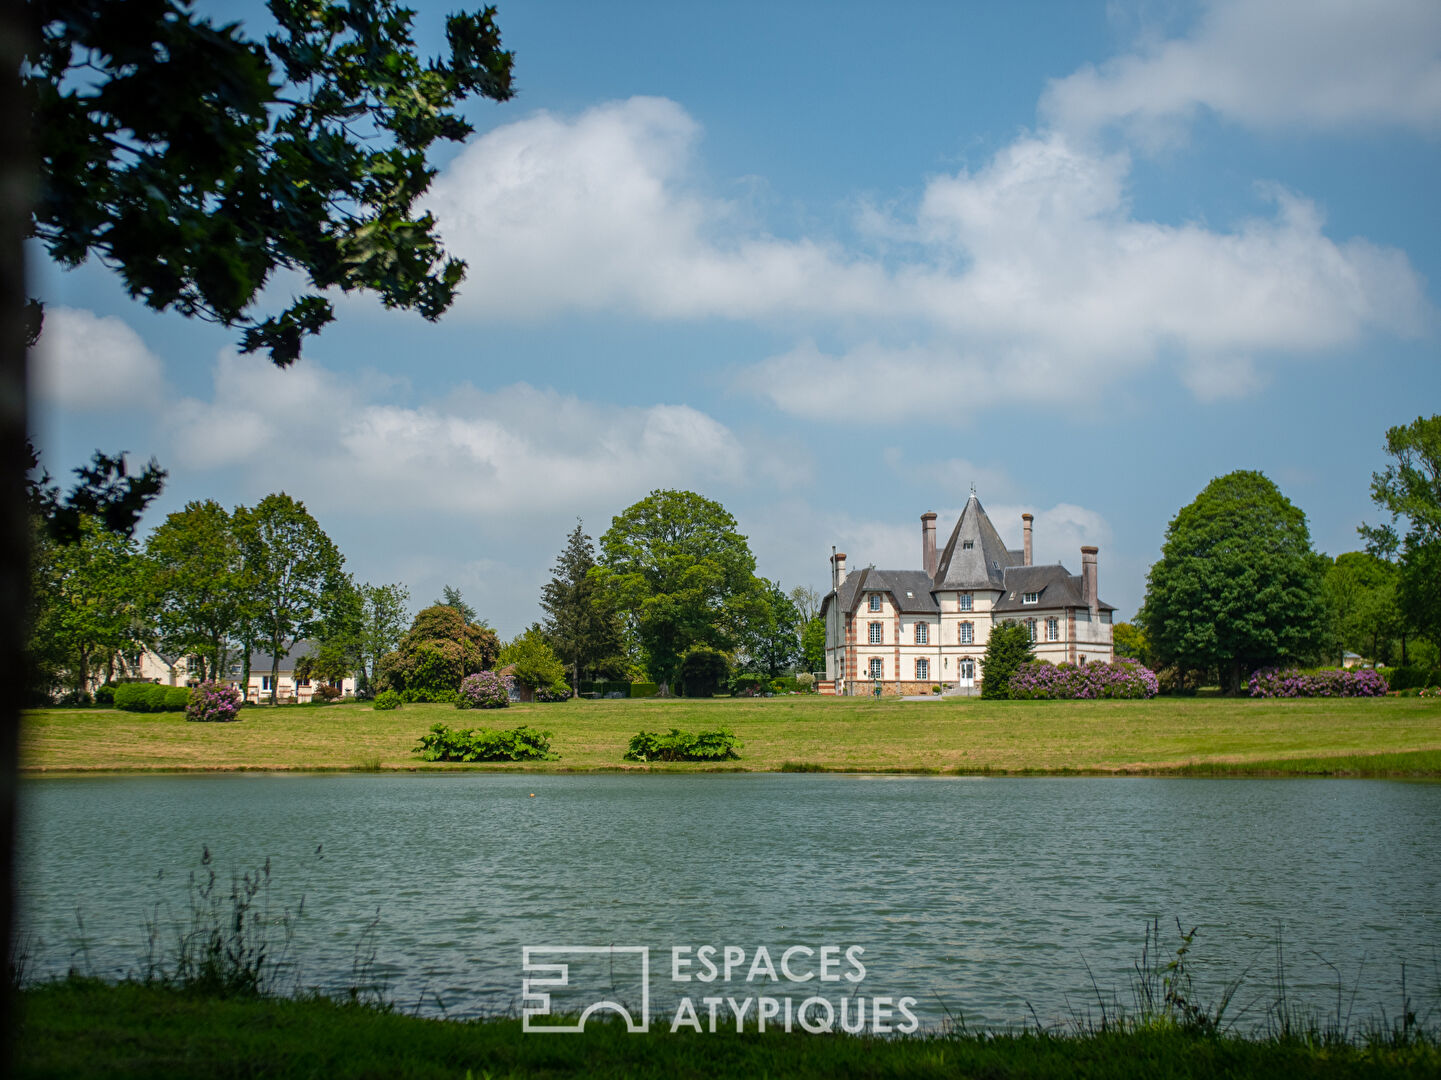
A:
1088, 579
928, 543
1026, 520
838, 569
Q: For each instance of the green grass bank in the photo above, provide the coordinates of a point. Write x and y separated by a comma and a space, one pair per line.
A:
1398, 737
87, 1028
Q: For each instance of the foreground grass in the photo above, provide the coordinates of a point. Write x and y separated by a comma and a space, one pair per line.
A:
86, 1028
1215, 736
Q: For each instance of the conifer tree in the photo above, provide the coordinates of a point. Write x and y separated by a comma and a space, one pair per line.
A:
581, 629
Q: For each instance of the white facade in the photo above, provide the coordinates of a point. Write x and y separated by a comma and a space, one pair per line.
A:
911, 630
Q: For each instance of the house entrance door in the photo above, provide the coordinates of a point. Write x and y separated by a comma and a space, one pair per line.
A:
968, 672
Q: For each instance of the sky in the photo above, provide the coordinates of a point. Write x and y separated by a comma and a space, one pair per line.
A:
831, 265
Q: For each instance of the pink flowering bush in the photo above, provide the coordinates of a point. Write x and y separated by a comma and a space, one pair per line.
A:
213, 702
1274, 683
484, 690
1042, 679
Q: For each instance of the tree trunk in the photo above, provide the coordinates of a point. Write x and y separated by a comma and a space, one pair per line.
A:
274, 669
248, 646
16, 191
575, 679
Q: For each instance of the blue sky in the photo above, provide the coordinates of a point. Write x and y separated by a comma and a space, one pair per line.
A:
830, 265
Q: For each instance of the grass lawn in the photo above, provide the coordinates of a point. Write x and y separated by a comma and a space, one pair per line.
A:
88, 1029
1195, 736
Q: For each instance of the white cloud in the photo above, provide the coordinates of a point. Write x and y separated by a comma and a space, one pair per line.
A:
1267, 64
1061, 291
600, 213
85, 361
516, 450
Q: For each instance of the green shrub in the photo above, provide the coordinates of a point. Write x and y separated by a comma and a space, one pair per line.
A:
1411, 677
151, 697
386, 700
484, 744
676, 745
421, 695
644, 689
105, 695
703, 672
746, 684
1007, 648
131, 697
805, 682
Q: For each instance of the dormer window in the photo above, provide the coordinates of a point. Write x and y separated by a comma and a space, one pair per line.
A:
1031, 598
875, 601
968, 544
965, 601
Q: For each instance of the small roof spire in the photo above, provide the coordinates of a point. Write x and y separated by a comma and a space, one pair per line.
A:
973, 489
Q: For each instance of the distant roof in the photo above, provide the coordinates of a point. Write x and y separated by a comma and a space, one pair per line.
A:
982, 565
260, 661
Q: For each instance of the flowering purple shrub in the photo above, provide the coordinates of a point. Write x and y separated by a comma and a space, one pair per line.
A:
213, 702
1271, 682
1123, 679
484, 690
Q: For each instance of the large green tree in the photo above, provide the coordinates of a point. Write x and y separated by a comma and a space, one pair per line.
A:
1362, 607
813, 644
1238, 586
384, 618
288, 566
582, 629
1409, 491
771, 639
194, 559
680, 573
439, 650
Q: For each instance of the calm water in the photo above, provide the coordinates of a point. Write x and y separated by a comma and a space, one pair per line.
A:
989, 896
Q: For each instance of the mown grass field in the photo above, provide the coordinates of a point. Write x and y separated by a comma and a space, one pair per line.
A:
89, 1029
1196, 736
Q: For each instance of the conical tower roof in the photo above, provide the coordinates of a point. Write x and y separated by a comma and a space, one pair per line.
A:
975, 556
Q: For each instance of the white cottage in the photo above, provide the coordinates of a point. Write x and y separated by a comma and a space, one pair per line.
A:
910, 630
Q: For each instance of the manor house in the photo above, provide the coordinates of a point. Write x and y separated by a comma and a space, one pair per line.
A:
910, 630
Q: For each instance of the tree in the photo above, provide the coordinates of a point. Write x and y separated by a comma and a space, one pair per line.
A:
813, 644
703, 671
383, 621
437, 652
771, 639
1237, 586
678, 571
196, 162
807, 603
1130, 641
584, 632
1409, 490
535, 663
289, 563
194, 556
1007, 648
98, 606
337, 632
1362, 608
451, 597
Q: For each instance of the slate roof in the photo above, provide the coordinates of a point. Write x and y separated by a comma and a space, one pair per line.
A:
260, 661
1057, 586
987, 564
981, 566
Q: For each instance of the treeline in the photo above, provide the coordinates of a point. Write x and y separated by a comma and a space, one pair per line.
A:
1239, 587
209, 587
671, 596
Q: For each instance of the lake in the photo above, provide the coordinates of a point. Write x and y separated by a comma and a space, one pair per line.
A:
992, 899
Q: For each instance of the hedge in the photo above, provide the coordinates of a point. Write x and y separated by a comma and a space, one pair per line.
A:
151, 697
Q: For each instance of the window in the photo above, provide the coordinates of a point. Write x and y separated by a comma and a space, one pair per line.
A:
1053, 629
923, 633
1031, 628
1031, 598
965, 601
875, 602
265, 683
968, 544
875, 633
968, 633
923, 669
878, 670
